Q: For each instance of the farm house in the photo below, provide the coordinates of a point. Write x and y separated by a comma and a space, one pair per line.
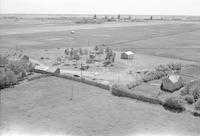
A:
172, 83
127, 55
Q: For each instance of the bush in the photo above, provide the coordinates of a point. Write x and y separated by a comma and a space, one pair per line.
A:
153, 75
160, 71
7, 79
162, 68
189, 99
174, 103
192, 88
196, 92
197, 105
175, 66
19, 66
3, 61
133, 84
89, 61
14, 71
168, 67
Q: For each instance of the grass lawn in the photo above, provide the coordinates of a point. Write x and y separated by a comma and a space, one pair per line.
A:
43, 106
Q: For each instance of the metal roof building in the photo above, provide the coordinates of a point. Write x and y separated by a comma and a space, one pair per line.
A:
127, 55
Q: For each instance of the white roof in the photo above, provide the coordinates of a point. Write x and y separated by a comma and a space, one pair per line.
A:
129, 52
174, 78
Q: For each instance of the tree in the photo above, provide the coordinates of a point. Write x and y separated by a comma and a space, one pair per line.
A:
118, 17
113, 57
95, 16
80, 51
107, 50
109, 54
96, 48
71, 52
66, 52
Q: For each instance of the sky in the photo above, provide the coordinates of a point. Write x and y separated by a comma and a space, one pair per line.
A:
134, 7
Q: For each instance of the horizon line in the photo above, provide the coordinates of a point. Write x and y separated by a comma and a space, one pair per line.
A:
97, 14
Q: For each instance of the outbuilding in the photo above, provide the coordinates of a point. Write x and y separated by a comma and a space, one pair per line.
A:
172, 83
127, 55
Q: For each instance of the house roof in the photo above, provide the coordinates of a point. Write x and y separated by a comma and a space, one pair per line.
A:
129, 52
174, 78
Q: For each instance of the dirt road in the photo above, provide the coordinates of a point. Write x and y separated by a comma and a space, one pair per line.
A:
44, 107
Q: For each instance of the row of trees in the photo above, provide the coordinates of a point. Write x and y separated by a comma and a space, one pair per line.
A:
118, 17
13, 71
106, 17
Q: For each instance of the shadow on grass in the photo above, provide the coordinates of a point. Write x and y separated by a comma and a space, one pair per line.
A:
175, 110
196, 114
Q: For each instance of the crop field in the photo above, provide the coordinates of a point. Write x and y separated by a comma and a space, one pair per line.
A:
174, 40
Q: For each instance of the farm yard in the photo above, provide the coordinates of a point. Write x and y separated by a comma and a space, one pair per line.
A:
162, 66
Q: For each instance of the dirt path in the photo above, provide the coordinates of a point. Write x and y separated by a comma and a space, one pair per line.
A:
44, 107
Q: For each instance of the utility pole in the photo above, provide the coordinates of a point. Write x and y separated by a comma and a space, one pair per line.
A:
72, 93
118, 76
81, 70
88, 42
16, 46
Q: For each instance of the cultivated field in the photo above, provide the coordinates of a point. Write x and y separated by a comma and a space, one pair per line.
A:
170, 39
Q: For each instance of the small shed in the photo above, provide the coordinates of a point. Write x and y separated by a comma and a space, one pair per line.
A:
172, 83
127, 55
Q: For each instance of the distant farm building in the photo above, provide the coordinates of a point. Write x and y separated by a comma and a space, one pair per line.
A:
127, 55
172, 83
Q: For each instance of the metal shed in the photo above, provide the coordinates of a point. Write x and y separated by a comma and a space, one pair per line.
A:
127, 55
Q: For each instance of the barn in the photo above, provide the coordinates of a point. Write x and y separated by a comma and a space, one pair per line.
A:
127, 55
172, 83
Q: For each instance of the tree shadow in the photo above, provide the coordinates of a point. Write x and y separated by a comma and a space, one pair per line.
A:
175, 110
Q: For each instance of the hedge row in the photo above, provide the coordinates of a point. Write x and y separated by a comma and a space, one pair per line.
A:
37, 77
78, 79
122, 92
86, 81
7, 79
115, 90
172, 102
175, 103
